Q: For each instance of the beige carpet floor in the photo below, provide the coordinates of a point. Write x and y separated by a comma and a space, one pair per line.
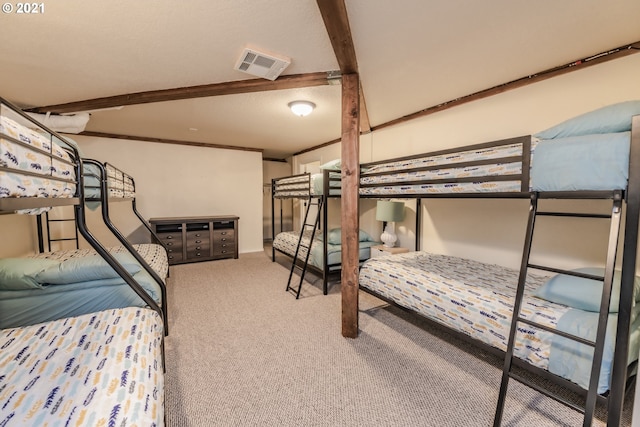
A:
243, 352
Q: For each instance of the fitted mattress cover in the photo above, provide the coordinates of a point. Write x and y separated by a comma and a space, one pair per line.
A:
477, 299
154, 255
50, 170
98, 369
288, 241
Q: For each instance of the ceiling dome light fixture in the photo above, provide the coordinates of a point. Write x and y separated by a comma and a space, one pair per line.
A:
302, 108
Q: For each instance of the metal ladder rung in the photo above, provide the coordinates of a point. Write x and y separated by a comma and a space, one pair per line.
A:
597, 343
305, 261
567, 272
557, 332
546, 393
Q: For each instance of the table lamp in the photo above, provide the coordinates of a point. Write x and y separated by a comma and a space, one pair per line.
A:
389, 212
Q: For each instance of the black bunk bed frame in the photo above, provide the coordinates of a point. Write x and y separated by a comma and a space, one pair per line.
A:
621, 382
104, 203
330, 190
303, 189
9, 205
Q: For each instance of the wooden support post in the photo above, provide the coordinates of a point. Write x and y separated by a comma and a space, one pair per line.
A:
350, 149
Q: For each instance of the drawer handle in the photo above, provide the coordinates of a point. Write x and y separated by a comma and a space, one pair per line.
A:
197, 234
198, 254
198, 241
169, 237
224, 252
198, 248
223, 240
169, 243
223, 233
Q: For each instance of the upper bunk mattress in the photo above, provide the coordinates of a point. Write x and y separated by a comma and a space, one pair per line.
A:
119, 184
49, 169
98, 369
477, 299
594, 162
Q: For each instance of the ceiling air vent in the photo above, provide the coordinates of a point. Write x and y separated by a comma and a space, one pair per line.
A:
261, 64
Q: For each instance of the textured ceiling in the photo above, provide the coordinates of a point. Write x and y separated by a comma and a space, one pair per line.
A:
411, 55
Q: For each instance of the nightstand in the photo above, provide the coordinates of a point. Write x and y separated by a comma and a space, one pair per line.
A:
381, 250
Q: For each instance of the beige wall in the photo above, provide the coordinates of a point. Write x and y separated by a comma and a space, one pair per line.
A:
493, 230
17, 237
178, 180
271, 170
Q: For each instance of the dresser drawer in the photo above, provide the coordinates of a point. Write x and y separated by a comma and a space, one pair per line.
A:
197, 237
224, 248
174, 256
223, 236
171, 237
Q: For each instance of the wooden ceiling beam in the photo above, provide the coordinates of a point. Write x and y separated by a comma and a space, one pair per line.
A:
166, 141
227, 88
336, 21
599, 58
580, 64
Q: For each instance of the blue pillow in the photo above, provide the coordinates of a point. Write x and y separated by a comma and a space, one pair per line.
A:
583, 294
20, 273
87, 268
587, 162
609, 119
335, 236
332, 165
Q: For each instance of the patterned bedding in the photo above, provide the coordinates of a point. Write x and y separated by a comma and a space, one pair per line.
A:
50, 169
119, 184
154, 255
380, 173
100, 369
585, 162
288, 241
477, 299
305, 185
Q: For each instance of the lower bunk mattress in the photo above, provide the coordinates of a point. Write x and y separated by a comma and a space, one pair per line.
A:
153, 254
97, 369
287, 243
477, 299
50, 286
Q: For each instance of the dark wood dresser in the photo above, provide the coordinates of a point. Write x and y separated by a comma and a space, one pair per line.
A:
201, 238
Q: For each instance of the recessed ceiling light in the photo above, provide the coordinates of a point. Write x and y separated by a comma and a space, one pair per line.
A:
193, 129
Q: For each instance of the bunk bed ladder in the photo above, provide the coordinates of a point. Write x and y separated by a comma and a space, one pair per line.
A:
49, 221
313, 226
597, 345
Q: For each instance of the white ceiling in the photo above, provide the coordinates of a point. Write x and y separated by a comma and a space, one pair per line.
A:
412, 54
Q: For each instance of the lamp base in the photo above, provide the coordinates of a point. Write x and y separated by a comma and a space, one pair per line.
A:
388, 236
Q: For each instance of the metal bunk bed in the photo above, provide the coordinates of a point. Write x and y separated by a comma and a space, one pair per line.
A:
315, 190
125, 192
35, 203
300, 187
40, 170
505, 173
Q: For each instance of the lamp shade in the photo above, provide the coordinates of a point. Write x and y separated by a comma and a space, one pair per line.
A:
389, 211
